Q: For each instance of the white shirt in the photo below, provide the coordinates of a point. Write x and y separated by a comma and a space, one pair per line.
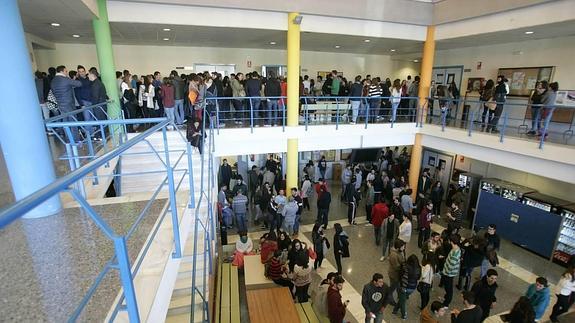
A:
123, 87
427, 274
306, 85
304, 187
395, 94
405, 231
244, 247
565, 286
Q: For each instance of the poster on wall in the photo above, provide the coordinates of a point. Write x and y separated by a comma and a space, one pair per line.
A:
565, 98
475, 84
517, 80
439, 79
450, 78
522, 80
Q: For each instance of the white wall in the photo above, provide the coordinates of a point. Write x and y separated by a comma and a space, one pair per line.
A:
544, 185
556, 52
147, 59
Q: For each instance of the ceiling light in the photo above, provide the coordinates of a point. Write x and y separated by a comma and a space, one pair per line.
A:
76, 36
55, 24
166, 29
392, 50
272, 43
528, 32
166, 39
337, 46
366, 40
415, 60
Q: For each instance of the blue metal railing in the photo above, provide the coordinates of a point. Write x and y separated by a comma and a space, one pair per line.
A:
475, 116
120, 260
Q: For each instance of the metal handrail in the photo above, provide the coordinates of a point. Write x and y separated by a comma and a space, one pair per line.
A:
77, 111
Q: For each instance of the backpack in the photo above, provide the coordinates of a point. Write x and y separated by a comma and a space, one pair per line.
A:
51, 102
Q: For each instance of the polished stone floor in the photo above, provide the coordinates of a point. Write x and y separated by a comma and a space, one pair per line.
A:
49, 263
517, 269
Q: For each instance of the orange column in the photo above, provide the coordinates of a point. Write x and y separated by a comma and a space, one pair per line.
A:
426, 70
415, 164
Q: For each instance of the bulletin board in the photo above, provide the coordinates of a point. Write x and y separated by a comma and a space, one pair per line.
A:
522, 80
564, 113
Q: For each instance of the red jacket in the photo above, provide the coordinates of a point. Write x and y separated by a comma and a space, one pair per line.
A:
379, 213
425, 218
267, 250
317, 188
335, 308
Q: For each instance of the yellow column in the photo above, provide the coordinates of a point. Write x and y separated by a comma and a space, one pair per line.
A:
415, 164
426, 69
293, 67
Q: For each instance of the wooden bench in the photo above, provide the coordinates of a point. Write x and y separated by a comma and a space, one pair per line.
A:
271, 305
227, 301
306, 313
254, 273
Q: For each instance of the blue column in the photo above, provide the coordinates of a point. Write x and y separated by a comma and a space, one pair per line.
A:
22, 132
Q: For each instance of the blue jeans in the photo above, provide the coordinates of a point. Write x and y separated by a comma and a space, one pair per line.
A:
296, 223
288, 227
169, 112
88, 116
374, 105
180, 115
255, 107
272, 112
227, 216
241, 222
394, 110
547, 120
355, 110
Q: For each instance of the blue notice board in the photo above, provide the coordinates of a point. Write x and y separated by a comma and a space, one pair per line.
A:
527, 226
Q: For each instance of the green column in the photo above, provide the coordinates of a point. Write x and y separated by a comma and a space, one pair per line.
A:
106, 59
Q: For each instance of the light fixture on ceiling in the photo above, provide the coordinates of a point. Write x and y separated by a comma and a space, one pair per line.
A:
76, 36
55, 24
273, 43
415, 61
297, 20
528, 32
392, 50
337, 46
166, 39
366, 40
166, 29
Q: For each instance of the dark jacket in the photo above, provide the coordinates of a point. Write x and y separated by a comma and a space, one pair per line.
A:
410, 276
468, 316
225, 173
374, 298
437, 194
98, 92
484, 293
324, 200
335, 308
179, 88
253, 87
341, 244
84, 92
356, 90
273, 87
63, 89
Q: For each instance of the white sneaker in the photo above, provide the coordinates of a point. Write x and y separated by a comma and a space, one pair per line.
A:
382, 259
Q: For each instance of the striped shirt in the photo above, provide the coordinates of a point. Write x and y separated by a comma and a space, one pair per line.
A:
374, 91
239, 204
452, 263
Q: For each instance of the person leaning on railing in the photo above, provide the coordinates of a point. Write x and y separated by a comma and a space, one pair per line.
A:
548, 102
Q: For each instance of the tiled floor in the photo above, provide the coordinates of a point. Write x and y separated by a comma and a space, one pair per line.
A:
516, 270
45, 270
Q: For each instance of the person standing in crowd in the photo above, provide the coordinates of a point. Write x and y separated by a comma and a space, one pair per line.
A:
63, 88
390, 233
345, 179
437, 193
369, 200
289, 215
407, 202
310, 169
83, 95
98, 95
280, 201
240, 186
426, 283
423, 188
488, 102
322, 166
564, 290
299, 202
253, 88
425, 219
239, 93
352, 199
454, 218
405, 229
493, 242
335, 306
323, 203
535, 105
395, 98
168, 95
179, 89
273, 91
471, 313
484, 292
548, 102
335, 83
374, 94
340, 246
374, 297
412, 91
522, 312
253, 182
240, 208
396, 262
319, 295
355, 98
225, 207
451, 268
410, 275
301, 278
320, 244
225, 173
306, 192
500, 95
379, 214
539, 296
432, 313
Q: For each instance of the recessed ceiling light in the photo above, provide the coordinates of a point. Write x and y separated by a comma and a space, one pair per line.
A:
366, 40
166, 29
166, 39
415, 60
392, 50
272, 43
528, 32
337, 46
55, 24
76, 36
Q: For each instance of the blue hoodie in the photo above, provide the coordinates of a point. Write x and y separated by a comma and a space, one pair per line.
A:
539, 299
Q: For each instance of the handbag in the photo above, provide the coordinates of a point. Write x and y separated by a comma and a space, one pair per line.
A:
311, 253
423, 287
